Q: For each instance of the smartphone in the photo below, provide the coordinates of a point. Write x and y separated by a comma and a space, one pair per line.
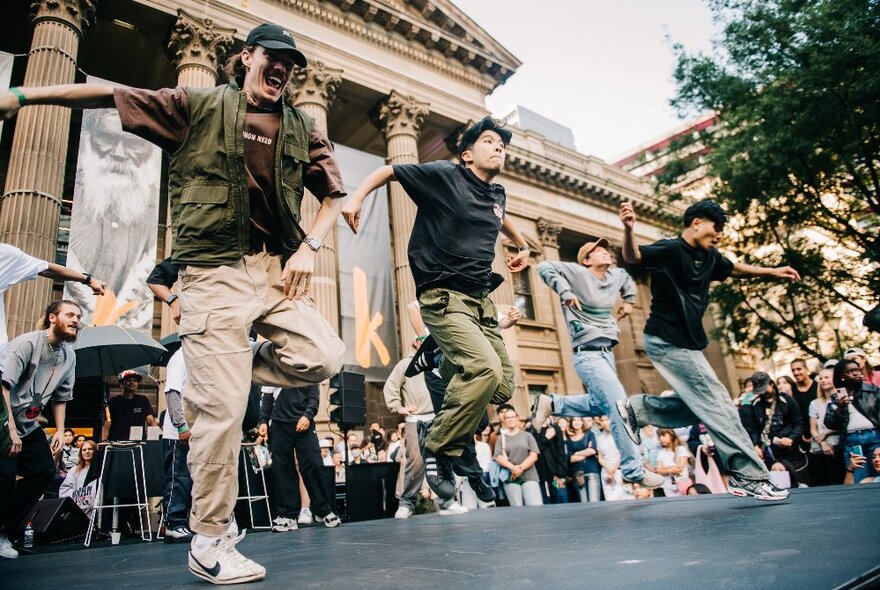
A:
856, 450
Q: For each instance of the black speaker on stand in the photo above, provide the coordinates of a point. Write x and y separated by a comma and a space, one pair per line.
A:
349, 394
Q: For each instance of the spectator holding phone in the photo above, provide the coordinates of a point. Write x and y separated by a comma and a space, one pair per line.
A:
854, 411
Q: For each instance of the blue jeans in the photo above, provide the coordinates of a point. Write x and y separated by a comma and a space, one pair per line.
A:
596, 369
699, 397
177, 494
869, 440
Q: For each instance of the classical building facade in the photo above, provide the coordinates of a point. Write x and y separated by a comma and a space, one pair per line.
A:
398, 79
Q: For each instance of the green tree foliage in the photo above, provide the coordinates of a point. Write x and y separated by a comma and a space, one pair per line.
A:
796, 84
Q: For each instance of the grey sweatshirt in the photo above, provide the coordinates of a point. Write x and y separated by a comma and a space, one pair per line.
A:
595, 320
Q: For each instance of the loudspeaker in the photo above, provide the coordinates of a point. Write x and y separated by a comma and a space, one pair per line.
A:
56, 520
369, 491
348, 393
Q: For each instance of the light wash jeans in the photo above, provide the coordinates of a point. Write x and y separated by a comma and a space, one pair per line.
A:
699, 397
596, 369
527, 493
591, 492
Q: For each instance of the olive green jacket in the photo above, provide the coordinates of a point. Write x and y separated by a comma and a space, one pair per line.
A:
207, 180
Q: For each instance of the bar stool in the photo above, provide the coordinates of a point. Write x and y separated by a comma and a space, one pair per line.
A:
246, 461
135, 450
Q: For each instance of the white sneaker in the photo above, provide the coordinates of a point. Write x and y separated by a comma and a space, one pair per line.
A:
331, 521
403, 512
6, 549
305, 516
283, 525
221, 563
453, 509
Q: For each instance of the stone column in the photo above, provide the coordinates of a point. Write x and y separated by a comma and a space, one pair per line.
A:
315, 91
197, 48
31, 202
549, 231
400, 120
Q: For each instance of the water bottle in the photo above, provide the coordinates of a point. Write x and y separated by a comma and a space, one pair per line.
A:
29, 536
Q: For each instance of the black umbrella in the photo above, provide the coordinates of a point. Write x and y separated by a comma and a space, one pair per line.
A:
109, 350
172, 344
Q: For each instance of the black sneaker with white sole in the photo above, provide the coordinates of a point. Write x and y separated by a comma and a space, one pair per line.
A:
424, 358
760, 489
630, 423
179, 534
438, 470
467, 466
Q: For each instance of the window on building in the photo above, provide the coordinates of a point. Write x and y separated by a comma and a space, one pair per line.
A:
522, 293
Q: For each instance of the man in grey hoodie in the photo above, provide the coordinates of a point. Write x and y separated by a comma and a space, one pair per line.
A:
588, 292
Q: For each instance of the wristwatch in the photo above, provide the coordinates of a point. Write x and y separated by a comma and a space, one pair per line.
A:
87, 278
312, 243
524, 248
171, 299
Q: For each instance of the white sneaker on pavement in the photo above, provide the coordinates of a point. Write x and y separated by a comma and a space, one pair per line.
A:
331, 521
403, 512
7, 551
305, 516
216, 560
282, 524
453, 509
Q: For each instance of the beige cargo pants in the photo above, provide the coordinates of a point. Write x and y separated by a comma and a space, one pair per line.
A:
218, 307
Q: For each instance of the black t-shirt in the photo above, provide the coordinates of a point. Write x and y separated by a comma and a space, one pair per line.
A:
453, 238
803, 399
126, 413
680, 277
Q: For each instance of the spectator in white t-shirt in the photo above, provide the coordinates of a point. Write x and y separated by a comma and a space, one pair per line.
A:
177, 496
609, 459
75, 485
672, 463
17, 267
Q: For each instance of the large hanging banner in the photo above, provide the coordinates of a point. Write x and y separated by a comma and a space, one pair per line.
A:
366, 282
114, 220
6, 60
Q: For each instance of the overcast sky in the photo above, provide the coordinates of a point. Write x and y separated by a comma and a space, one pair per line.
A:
602, 67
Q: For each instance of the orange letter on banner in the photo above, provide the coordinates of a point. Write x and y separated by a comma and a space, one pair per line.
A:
364, 326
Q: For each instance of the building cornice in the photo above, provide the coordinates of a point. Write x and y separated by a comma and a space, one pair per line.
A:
436, 39
588, 179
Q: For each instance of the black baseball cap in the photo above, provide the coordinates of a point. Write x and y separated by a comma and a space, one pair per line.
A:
760, 381
276, 37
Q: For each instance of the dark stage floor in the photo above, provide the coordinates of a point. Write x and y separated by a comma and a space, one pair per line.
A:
819, 538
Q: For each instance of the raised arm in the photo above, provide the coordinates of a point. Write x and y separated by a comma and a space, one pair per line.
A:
740, 269
62, 273
630, 249
74, 96
352, 209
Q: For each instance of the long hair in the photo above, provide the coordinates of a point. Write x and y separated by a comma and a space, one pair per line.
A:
53, 309
791, 382
673, 435
81, 464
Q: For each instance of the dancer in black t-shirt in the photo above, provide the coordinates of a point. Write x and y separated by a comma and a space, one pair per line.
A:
681, 270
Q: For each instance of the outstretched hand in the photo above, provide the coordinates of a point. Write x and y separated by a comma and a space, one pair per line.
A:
518, 262
9, 105
351, 212
788, 273
98, 287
